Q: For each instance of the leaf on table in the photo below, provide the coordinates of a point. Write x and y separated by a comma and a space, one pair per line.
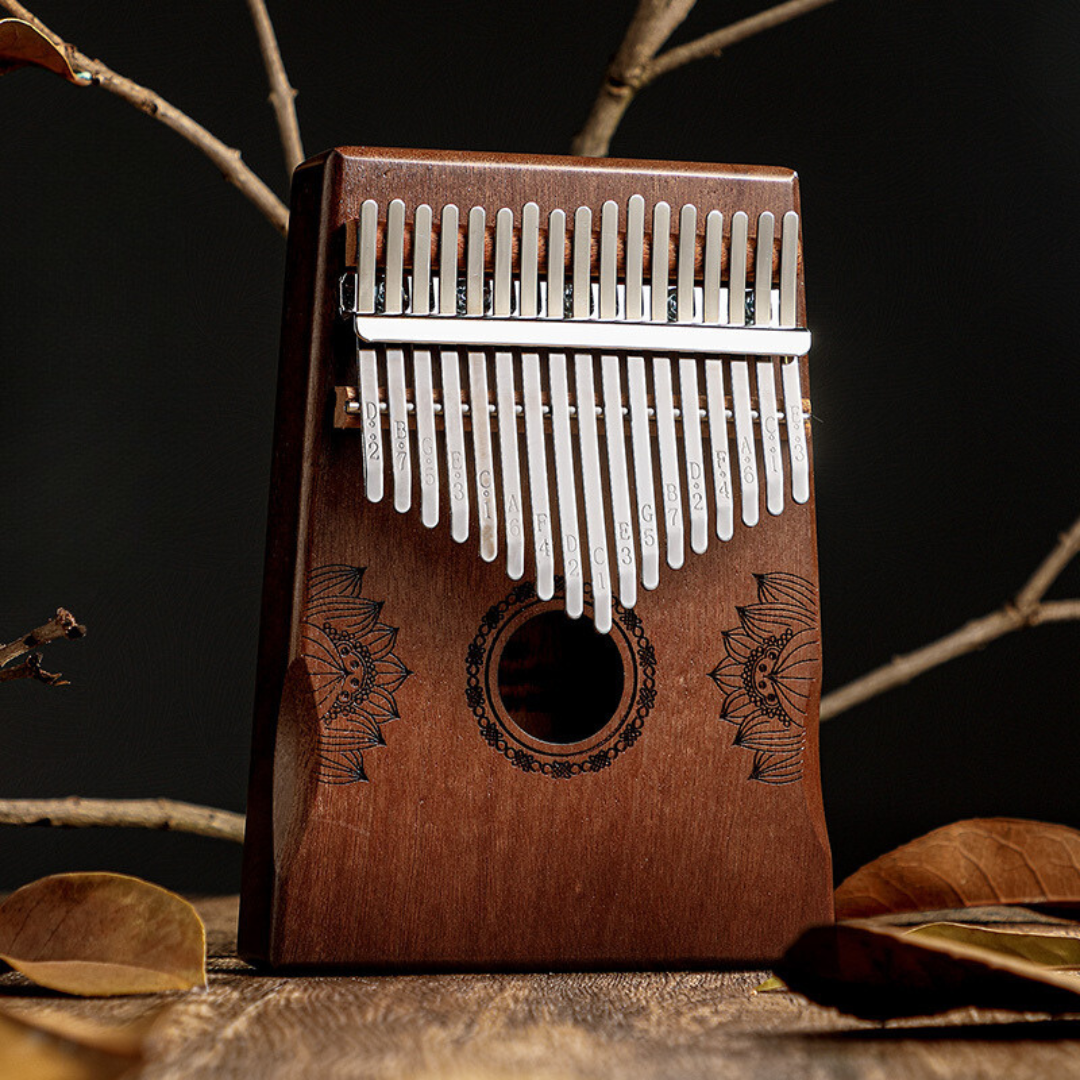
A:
66, 1048
103, 934
1044, 947
878, 972
978, 861
21, 45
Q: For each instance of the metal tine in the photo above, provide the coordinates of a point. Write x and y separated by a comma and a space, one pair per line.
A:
640, 434
768, 417
615, 434
427, 449
535, 439
487, 512
507, 408
789, 369
588, 437
457, 477
367, 362
560, 425
714, 382
693, 451
400, 455
740, 374
662, 392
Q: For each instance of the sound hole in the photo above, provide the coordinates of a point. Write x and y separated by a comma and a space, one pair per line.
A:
560, 680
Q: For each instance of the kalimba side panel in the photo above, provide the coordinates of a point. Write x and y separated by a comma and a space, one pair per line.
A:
448, 772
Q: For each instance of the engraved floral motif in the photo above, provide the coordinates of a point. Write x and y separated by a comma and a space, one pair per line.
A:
768, 673
354, 670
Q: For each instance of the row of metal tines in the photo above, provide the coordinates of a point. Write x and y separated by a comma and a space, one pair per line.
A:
622, 536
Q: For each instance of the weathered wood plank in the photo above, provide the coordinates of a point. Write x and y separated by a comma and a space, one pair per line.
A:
664, 1025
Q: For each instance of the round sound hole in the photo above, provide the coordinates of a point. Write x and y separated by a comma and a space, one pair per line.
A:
560, 681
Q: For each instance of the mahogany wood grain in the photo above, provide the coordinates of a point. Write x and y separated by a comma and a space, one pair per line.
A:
448, 857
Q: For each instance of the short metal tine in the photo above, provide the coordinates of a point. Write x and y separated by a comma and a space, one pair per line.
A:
718, 440
768, 418
684, 275
766, 233
714, 381
487, 513
640, 433
609, 254
565, 482
789, 265
505, 398
367, 361
556, 264
635, 256
714, 250
400, 453
798, 452
456, 466
615, 435
693, 452
662, 391
737, 270
740, 373
744, 441
535, 438
427, 447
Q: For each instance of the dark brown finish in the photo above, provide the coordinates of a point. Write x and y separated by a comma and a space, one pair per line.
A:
449, 856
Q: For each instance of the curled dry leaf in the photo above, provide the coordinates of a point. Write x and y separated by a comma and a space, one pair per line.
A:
978, 861
67, 1048
1052, 948
103, 934
22, 45
879, 972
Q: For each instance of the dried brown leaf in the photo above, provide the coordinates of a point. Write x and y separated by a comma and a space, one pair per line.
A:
72, 1049
22, 45
879, 972
978, 861
103, 934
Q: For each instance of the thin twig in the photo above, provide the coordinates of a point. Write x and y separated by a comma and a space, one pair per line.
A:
31, 668
636, 64
62, 625
1027, 609
226, 158
282, 95
78, 813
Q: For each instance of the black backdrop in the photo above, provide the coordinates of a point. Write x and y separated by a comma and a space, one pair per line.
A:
139, 307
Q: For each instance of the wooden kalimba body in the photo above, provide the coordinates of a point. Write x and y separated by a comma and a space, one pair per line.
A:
540, 654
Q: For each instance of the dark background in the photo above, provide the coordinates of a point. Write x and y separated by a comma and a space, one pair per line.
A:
139, 308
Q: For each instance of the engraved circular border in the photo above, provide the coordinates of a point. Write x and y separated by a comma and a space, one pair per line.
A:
567, 765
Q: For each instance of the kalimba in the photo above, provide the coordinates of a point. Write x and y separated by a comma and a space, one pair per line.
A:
540, 652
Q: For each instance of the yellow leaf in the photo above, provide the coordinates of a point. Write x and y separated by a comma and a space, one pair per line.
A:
103, 934
1048, 949
21, 45
68, 1049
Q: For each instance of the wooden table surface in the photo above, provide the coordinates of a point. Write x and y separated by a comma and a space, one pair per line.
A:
664, 1025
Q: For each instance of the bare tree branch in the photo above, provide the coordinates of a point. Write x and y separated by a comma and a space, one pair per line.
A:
636, 63
1027, 609
74, 812
61, 625
282, 95
226, 158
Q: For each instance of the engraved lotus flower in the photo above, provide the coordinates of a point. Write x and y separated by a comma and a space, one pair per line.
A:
354, 671
767, 675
